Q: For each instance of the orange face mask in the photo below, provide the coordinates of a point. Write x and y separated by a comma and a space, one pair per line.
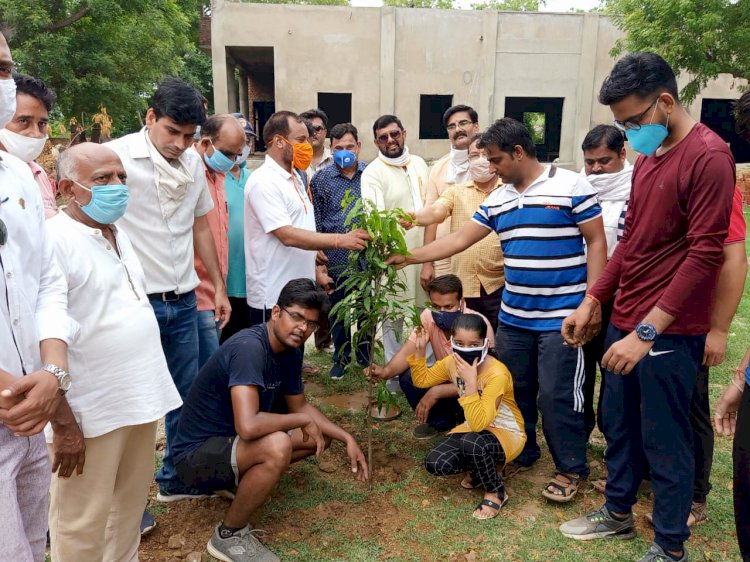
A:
302, 154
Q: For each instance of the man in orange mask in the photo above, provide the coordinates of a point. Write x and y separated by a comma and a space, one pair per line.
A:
280, 237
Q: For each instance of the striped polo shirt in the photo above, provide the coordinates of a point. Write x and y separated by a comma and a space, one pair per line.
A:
543, 248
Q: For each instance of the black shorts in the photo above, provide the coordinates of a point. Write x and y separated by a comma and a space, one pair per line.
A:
210, 466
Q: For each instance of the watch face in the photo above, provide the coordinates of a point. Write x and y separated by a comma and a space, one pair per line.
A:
646, 332
65, 382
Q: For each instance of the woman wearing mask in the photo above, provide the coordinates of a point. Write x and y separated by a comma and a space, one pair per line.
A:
493, 432
480, 267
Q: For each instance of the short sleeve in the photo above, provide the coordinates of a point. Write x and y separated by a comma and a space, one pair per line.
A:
447, 199
245, 361
482, 217
268, 204
737, 227
584, 201
293, 373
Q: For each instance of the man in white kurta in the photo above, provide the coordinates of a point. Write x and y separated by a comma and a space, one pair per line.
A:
397, 180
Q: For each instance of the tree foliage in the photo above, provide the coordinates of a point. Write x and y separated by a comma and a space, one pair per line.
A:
510, 5
442, 4
106, 53
304, 2
702, 38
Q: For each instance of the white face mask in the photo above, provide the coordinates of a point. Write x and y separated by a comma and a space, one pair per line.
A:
479, 168
23, 148
7, 101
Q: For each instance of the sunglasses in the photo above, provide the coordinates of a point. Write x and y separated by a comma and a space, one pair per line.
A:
318, 128
395, 135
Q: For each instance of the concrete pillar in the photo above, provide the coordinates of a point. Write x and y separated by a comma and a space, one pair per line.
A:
218, 60
587, 89
233, 102
387, 60
243, 92
487, 65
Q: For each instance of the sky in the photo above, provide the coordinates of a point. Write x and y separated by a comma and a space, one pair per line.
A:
551, 5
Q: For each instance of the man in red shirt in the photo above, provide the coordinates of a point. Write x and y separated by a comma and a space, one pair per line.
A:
664, 272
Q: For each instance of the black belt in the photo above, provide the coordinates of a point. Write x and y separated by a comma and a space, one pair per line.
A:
168, 296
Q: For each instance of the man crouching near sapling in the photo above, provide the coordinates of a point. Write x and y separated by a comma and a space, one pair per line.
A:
246, 419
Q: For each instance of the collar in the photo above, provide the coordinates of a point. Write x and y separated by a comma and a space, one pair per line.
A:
91, 231
360, 168
274, 167
547, 173
472, 185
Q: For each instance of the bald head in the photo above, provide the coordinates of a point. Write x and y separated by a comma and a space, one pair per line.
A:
225, 133
82, 161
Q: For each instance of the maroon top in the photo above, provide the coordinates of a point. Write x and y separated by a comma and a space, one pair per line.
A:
676, 224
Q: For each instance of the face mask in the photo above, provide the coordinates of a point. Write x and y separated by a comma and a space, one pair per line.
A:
444, 320
479, 168
469, 354
7, 101
242, 158
108, 202
24, 148
344, 158
302, 154
649, 137
218, 161
242, 164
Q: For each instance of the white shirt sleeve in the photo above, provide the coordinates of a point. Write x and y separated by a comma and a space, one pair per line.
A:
371, 191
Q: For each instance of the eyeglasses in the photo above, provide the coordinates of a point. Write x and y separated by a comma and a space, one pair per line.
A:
634, 123
228, 153
318, 128
462, 124
395, 135
300, 320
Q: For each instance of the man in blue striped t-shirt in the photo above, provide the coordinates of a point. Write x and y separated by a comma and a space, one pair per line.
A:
542, 214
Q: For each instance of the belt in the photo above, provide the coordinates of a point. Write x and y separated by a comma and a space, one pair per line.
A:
168, 296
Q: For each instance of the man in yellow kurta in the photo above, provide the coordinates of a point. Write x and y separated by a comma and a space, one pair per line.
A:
397, 180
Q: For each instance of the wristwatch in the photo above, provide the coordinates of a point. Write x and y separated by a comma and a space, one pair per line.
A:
646, 332
64, 380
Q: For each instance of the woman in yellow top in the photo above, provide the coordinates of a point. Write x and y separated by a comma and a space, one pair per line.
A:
493, 431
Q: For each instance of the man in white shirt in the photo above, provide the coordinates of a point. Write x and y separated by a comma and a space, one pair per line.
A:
280, 237
35, 331
166, 220
123, 386
462, 124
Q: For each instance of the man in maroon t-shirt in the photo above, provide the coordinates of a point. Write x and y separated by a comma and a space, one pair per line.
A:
664, 271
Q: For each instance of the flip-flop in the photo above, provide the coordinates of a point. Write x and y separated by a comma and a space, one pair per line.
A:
489, 503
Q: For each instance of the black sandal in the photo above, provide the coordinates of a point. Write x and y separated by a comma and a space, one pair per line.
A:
489, 503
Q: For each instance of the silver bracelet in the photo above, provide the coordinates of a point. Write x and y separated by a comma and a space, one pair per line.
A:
741, 389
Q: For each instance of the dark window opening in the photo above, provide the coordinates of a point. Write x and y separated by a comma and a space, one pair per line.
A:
338, 107
543, 119
718, 115
431, 110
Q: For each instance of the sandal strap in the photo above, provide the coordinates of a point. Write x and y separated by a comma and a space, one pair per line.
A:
489, 503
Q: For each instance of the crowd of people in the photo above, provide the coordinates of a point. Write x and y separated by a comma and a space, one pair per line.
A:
158, 277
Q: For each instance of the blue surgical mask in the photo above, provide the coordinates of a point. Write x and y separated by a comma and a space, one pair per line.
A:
649, 137
218, 161
469, 354
108, 202
444, 319
344, 158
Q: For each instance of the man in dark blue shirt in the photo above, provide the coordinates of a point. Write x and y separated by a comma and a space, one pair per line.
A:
246, 419
329, 187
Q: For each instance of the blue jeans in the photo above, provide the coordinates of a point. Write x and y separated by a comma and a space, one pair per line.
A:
208, 336
178, 327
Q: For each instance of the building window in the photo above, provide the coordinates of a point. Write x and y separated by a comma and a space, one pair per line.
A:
431, 110
338, 107
543, 118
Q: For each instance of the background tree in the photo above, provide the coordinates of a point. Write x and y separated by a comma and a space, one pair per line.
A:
702, 38
510, 5
443, 4
106, 53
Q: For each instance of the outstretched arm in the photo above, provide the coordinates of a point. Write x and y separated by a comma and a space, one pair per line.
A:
450, 245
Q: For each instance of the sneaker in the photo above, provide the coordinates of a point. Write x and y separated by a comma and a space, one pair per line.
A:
337, 372
186, 494
243, 546
424, 431
147, 523
599, 525
657, 554
227, 493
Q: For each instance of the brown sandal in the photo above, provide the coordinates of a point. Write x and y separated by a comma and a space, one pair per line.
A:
698, 514
568, 490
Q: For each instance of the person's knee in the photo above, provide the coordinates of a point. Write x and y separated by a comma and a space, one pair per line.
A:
473, 443
277, 449
434, 465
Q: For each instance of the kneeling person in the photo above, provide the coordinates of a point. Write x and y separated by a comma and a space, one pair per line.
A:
246, 419
493, 431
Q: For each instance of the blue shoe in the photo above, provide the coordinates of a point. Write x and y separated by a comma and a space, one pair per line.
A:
147, 523
337, 372
182, 494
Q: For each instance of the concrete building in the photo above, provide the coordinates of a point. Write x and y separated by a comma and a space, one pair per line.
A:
359, 63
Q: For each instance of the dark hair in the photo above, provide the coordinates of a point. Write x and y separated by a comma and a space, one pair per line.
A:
608, 136
212, 127
641, 74
305, 293
451, 111
309, 125
472, 323
445, 285
278, 124
179, 101
742, 115
312, 113
475, 138
338, 131
505, 134
385, 120
35, 88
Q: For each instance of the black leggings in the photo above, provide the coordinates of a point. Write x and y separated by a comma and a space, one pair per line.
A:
479, 453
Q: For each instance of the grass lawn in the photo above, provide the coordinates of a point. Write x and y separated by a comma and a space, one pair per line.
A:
319, 513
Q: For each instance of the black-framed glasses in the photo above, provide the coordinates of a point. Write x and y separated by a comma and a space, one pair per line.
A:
300, 320
634, 123
462, 124
395, 135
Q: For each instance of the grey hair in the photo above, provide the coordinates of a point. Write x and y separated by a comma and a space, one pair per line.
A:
67, 166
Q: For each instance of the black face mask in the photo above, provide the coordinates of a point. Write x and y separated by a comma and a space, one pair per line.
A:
444, 320
469, 354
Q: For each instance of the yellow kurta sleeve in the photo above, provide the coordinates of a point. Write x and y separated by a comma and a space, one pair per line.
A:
447, 198
480, 411
423, 376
